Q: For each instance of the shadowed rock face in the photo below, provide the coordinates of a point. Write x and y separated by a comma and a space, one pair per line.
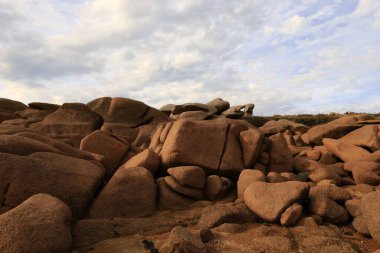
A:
72, 180
139, 174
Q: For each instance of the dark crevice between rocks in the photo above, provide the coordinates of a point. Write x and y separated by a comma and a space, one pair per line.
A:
4, 196
224, 149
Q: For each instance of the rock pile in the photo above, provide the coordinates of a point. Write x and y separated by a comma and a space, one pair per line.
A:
73, 176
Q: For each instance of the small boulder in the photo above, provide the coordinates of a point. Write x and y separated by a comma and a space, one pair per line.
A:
42, 224
147, 159
291, 215
74, 181
217, 187
360, 225
246, 178
184, 190
328, 210
234, 112
269, 200
219, 104
274, 177
353, 207
181, 240
191, 176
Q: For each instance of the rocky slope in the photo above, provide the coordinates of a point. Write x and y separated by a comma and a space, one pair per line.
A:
116, 175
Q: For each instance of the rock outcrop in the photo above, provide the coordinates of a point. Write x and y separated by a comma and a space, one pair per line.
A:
117, 174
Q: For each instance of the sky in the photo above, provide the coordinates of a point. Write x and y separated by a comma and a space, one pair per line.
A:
285, 56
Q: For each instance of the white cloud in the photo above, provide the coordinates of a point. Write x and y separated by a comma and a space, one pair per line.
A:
293, 25
275, 54
365, 7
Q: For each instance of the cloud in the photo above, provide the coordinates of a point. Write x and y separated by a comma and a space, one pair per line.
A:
313, 56
293, 25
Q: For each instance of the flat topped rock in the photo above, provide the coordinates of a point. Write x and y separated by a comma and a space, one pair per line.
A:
330, 130
43, 106
346, 152
269, 200
280, 126
366, 136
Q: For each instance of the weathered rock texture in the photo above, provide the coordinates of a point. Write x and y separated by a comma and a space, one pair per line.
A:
116, 174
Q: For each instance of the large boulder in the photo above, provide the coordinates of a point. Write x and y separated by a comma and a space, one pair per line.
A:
251, 142
364, 172
72, 180
11, 106
281, 159
57, 144
128, 119
109, 147
346, 152
131, 192
371, 210
33, 115
71, 121
212, 145
330, 130
20, 145
353, 118
269, 200
40, 224
366, 136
